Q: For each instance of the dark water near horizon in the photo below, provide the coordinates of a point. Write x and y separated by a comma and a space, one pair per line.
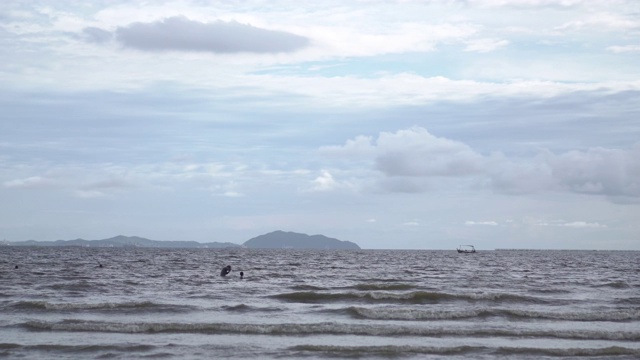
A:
172, 303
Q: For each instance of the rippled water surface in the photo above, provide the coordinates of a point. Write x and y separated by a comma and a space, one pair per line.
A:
172, 303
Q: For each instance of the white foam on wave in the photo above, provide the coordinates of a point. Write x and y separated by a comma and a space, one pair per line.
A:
393, 351
394, 313
411, 314
404, 297
127, 305
616, 315
326, 328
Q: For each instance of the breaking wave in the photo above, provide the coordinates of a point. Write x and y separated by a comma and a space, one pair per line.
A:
614, 285
391, 351
413, 297
325, 328
246, 308
132, 306
421, 314
373, 287
75, 349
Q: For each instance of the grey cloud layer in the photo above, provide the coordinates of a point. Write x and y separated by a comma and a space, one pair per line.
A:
406, 155
96, 35
182, 34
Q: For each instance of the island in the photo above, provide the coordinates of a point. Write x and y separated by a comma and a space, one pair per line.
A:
291, 240
273, 240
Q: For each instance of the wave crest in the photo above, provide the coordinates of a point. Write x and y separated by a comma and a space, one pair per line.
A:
325, 328
396, 351
422, 314
413, 297
104, 306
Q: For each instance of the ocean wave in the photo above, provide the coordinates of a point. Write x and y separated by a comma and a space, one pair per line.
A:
324, 328
422, 314
414, 297
409, 314
614, 285
82, 285
616, 315
606, 351
77, 348
247, 308
628, 301
133, 306
369, 287
388, 351
307, 288
391, 351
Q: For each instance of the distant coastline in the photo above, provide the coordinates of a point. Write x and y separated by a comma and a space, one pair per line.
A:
276, 239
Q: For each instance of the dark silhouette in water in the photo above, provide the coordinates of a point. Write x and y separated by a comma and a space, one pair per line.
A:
225, 270
16, 267
241, 275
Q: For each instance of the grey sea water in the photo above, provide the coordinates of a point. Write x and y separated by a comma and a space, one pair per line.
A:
172, 303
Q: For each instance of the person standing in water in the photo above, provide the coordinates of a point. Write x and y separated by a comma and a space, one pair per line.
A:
225, 270
241, 275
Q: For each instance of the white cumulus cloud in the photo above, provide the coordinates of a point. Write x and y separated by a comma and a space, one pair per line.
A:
29, 182
481, 223
416, 152
408, 158
624, 48
485, 45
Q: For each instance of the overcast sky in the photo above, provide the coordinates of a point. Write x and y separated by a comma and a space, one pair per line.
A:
408, 124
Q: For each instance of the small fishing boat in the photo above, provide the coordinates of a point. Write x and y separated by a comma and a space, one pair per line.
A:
466, 249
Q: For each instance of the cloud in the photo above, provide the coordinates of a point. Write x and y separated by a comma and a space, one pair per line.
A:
409, 159
485, 45
527, 3
602, 21
227, 189
324, 182
108, 184
513, 176
624, 49
89, 194
573, 224
612, 172
328, 181
360, 146
30, 182
416, 152
103, 187
96, 35
584, 224
595, 171
182, 34
403, 184
481, 223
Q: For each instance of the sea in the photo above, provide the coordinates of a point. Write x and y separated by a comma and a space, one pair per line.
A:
131, 303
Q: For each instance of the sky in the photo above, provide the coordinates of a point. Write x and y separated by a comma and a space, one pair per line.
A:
393, 124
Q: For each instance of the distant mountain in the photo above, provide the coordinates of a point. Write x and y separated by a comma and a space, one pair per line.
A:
124, 241
273, 240
281, 239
